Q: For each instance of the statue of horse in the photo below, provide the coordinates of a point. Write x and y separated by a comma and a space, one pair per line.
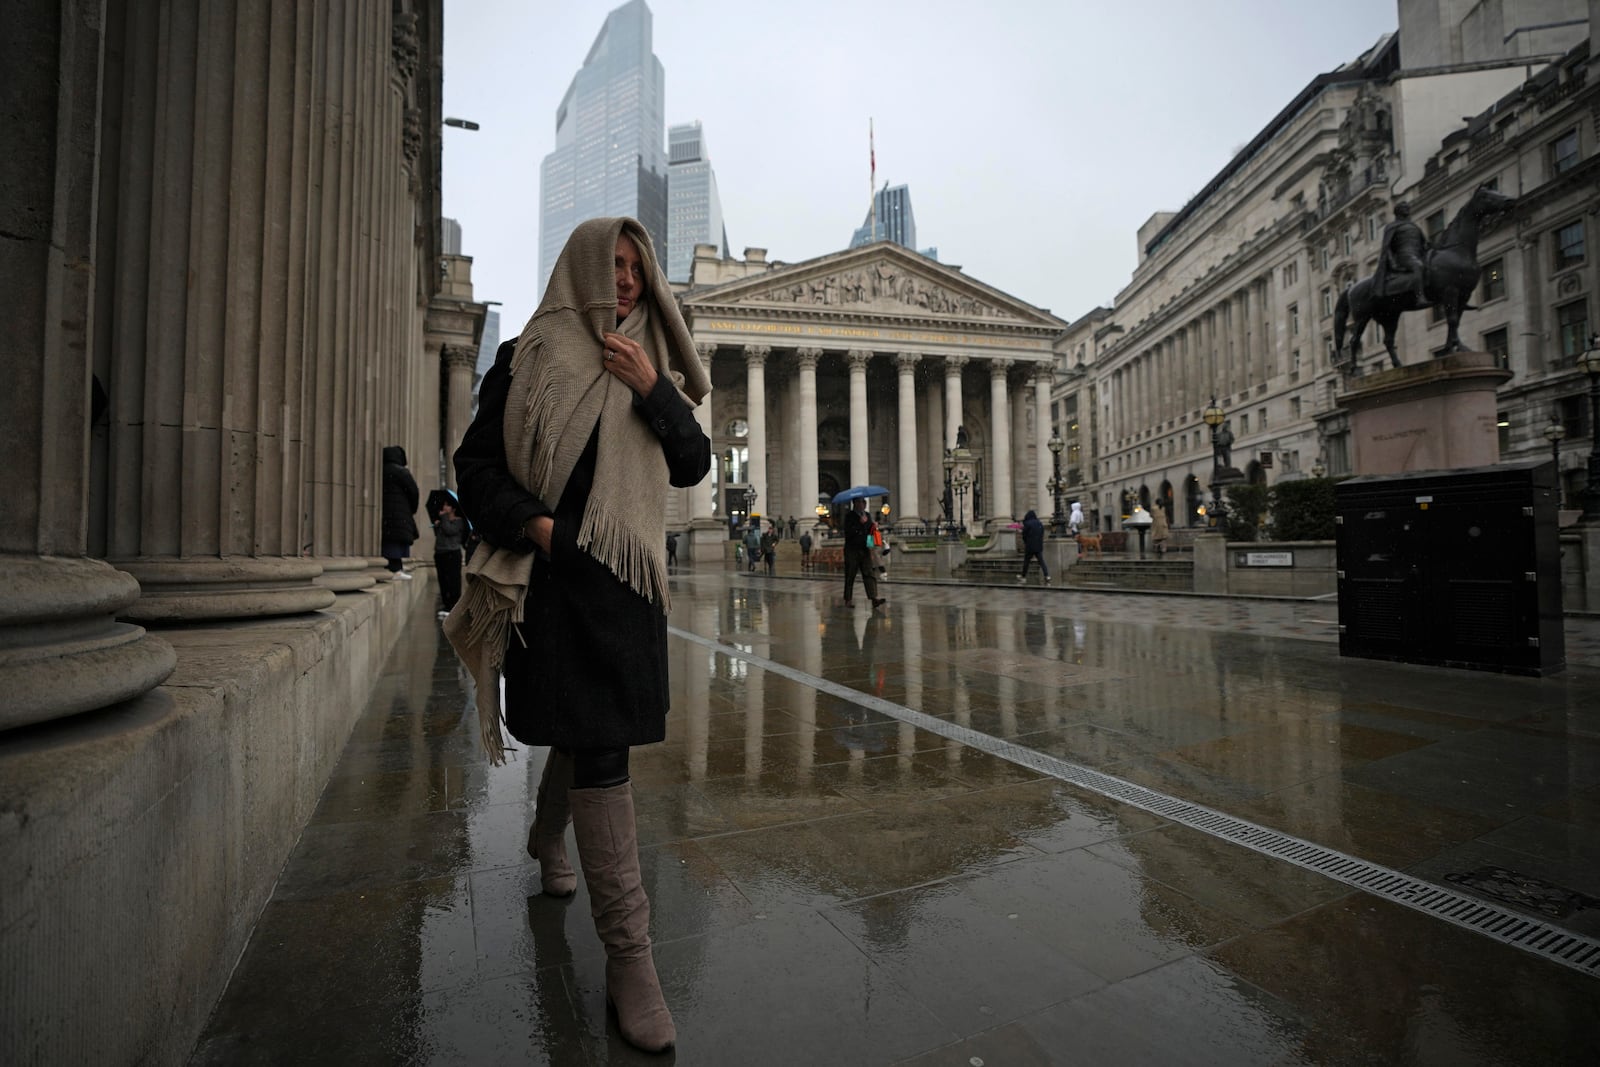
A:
1449, 277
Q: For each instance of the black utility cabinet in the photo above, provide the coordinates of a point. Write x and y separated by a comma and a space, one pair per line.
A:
1457, 568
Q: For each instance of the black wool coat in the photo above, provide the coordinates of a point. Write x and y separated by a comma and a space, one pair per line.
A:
587, 668
399, 498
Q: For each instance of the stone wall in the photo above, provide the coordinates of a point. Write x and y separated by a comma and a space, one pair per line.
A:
141, 844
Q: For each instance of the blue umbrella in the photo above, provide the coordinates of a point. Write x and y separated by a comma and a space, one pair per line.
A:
858, 491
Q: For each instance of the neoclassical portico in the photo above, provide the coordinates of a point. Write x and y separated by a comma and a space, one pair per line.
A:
860, 367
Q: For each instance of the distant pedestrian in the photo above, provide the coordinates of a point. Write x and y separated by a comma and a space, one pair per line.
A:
672, 548
752, 545
769, 547
857, 554
400, 499
1075, 520
805, 551
449, 536
1160, 529
792, 525
1033, 546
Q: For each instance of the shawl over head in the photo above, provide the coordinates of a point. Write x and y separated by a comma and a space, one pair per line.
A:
559, 391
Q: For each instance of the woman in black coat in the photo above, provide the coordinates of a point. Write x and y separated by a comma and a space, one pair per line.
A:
399, 509
582, 425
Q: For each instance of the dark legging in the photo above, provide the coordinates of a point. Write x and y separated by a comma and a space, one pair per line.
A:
1031, 556
599, 768
859, 561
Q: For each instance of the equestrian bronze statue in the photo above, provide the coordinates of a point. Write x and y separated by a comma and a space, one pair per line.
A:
1448, 274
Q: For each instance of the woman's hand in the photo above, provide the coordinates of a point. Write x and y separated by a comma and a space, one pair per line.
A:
627, 361
538, 529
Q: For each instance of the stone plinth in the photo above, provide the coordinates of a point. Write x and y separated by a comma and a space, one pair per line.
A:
345, 574
1438, 415
195, 589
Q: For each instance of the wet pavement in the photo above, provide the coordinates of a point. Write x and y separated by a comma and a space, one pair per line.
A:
861, 849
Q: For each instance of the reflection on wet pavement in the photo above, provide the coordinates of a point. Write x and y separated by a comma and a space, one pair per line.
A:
832, 883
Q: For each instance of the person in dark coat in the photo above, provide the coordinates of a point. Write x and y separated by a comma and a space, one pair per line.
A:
1033, 546
858, 553
400, 499
449, 537
583, 423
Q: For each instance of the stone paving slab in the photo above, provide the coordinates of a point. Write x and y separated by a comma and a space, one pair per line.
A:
834, 884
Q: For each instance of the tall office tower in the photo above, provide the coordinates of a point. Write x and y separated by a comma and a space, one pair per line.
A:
895, 220
449, 237
608, 158
486, 352
694, 209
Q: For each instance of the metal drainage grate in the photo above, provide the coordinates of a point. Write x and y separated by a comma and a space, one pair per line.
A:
1580, 953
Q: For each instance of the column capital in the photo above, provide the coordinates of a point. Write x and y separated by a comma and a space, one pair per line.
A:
807, 357
459, 356
954, 364
706, 349
999, 368
907, 361
756, 355
858, 358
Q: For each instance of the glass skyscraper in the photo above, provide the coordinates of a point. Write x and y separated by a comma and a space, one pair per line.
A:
608, 158
694, 210
895, 221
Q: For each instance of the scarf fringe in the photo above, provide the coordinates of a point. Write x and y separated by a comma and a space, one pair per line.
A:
626, 555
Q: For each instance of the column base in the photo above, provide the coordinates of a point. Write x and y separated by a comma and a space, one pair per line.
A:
345, 574
62, 650
243, 587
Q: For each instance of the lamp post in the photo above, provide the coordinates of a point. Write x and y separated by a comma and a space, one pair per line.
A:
1591, 492
949, 500
962, 483
1554, 433
1056, 444
1217, 514
749, 503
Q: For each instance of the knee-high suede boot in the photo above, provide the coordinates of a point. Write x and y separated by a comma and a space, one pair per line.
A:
547, 837
608, 850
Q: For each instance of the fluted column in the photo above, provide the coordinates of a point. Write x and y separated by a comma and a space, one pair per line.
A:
952, 397
935, 454
1043, 378
1000, 448
806, 360
1022, 485
201, 318
755, 390
459, 361
62, 650
906, 499
859, 474
703, 496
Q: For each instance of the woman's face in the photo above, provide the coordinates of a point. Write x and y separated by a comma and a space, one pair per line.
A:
630, 276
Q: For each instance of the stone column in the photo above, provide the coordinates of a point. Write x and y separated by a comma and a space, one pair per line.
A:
205, 394
62, 650
931, 437
1022, 487
953, 366
703, 496
859, 474
1043, 378
1000, 445
755, 389
459, 361
906, 499
806, 360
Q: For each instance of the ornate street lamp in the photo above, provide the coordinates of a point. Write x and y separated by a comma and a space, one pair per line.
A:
749, 503
1217, 514
1056, 444
963, 482
1591, 366
1554, 433
1317, 469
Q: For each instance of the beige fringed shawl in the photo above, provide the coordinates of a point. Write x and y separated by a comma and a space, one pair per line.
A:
559, 390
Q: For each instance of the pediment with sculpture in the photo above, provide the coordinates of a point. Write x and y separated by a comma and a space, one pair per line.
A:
875, 280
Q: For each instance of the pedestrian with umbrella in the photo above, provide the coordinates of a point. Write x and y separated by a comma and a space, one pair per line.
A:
857, 545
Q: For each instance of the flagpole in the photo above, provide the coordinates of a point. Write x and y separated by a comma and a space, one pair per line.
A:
872, 183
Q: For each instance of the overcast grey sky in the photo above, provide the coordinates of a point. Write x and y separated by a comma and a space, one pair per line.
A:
1036, 135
